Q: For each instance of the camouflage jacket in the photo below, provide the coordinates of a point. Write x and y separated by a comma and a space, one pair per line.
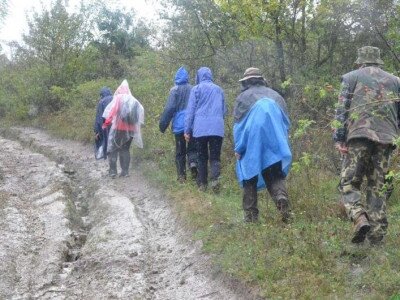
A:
368, 106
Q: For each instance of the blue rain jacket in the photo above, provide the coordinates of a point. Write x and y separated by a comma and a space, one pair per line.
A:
206, 107
176, 104
105, 98
261, 138
100, 145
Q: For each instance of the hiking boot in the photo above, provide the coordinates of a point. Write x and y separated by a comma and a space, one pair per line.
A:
283, 207
113, 175
215, 186
375, 240
124, 174
250, 217
202, 187
361, 228
193, 171
181, 179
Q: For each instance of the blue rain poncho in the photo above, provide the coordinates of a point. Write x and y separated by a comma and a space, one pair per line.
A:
261, 138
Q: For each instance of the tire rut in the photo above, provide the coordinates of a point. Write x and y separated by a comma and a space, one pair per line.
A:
125, 241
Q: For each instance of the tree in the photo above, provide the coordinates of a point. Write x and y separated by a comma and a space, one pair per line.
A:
120, 37
55, 38
264, 19
3, 10
196, 31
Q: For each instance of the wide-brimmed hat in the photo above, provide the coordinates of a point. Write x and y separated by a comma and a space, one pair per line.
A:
369, 55
252, 73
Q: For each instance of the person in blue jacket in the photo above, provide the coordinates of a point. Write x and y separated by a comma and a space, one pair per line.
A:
261, 144
175, 111
204, 121
100, 134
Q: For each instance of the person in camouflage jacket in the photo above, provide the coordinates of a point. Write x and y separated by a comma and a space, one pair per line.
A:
366, 126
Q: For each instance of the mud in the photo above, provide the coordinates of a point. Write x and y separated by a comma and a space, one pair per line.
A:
71, 232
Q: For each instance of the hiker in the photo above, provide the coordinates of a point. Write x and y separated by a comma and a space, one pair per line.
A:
261, 144
123, 116
175, 111
204, 121
367, 119
100, 134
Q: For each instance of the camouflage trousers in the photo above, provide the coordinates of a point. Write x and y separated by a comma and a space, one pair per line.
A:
369, 159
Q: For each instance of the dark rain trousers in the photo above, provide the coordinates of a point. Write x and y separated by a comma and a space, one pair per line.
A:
183, 149
276, 186
208, 148
124, 158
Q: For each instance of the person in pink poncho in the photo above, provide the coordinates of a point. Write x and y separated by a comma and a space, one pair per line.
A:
123, 119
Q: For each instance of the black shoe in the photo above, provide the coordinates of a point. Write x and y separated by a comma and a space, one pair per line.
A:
250, 217
124, 174
193, 171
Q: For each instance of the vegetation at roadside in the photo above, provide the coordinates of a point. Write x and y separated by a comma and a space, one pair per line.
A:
53, 80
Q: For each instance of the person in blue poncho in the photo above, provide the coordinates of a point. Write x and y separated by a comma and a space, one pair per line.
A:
175, 111
204, 121
100, 134
261, 144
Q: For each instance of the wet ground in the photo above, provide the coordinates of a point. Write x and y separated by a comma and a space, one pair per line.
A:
68, 231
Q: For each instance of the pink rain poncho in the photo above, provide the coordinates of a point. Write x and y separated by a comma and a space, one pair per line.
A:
125, 115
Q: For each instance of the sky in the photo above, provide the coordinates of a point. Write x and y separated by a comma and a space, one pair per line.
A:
15, 24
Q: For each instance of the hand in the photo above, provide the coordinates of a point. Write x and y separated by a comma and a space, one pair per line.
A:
187, 137
342, 148
238, 156
97, 136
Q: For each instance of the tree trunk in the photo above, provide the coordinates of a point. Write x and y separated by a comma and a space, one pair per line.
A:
303, 45
279, 50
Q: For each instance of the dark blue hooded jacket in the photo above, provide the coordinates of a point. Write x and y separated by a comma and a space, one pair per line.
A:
105, 99
206, 108
176, 104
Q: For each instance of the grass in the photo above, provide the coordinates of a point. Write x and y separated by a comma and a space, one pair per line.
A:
310, 258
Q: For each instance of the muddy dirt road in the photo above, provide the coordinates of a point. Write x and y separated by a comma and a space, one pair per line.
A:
70, 232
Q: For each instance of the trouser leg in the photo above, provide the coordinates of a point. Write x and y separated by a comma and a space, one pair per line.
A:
357, 163
180, 155
202, 150
276, 186
112, 159
192, 152
376, 198
192, 157
250, 200
215, 156
125, 157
